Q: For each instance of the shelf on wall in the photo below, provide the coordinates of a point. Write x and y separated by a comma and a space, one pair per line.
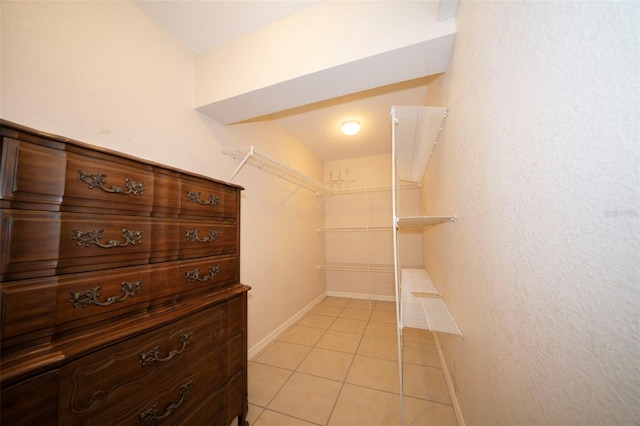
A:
415, 135
416, 280
415, 131
406, 185
422, 307
414, 221
417, 128
429, 314
254, 157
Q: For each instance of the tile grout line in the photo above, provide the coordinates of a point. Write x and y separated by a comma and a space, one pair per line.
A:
354, 354
295, 370
316, 346
279, 338
344, 381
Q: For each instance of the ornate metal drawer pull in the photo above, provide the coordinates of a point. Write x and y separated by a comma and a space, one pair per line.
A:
89, 238
90, 297
194, 197
153, 355
194, 275
192, 236
98, 181
149, 416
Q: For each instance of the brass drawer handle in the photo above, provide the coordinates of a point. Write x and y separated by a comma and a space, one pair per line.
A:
194, 275
193, 236
89, 297
194, 197
149, 416
89, 238
98, 181
153, 355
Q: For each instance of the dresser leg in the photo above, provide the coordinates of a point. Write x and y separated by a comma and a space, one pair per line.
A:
242, 420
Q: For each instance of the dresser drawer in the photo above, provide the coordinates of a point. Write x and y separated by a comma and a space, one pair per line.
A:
32, 402
27, 310
155, 402
206, 273
213, 411
236, 395
37, 243
30, 243
221, 408
238, 314
165, 240
91, 242
31, 174
199, 197
165, 193
185, 278
180, 364
103, 186
96, 296
199, 239
165, 278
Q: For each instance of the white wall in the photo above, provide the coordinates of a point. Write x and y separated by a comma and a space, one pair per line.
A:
104, 73
539, 159
356, 33
363, 198
280, 247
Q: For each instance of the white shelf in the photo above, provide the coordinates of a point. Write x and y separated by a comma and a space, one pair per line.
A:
416, 130
405, 185
421, 305
254, 157
413, 221
429, 314
416, 280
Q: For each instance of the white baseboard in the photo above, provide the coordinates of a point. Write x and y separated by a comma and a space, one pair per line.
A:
447, 377
362, 296
255, 349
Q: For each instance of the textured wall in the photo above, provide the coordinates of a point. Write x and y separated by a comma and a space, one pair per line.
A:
539, 159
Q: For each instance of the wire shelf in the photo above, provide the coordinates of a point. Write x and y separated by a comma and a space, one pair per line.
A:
254, 157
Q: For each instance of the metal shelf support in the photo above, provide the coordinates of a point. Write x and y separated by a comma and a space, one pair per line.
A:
254, 157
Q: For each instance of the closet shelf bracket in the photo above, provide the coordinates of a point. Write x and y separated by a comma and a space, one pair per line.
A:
254, 157
417, 221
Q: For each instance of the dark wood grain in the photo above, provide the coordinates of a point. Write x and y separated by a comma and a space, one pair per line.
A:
120, 297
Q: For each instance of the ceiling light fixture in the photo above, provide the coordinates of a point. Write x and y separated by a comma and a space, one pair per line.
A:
350, 127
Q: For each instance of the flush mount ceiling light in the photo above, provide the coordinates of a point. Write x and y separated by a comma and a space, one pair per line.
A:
350, 127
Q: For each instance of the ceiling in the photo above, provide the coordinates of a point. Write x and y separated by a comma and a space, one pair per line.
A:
317, 125
202, 25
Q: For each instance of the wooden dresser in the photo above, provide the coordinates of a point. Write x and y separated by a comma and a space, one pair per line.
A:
121, 300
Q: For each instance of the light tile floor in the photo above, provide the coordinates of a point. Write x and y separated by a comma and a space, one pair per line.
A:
338, 366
